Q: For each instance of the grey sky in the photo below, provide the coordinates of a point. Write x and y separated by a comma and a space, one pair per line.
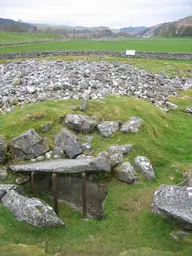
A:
114, 14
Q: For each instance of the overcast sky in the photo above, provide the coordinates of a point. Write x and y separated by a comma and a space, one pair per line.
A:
111, 13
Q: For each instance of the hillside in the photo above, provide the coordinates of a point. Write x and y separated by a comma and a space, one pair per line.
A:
9, 25
11, 38
133, 30
182, 27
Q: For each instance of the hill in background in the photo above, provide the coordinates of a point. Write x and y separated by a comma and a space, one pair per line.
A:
9, 25
182, 27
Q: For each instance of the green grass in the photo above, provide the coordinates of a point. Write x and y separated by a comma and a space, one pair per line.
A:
153, 45
128, 227
14, 37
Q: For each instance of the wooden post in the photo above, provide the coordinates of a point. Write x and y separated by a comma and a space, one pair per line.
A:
33, 183
54, 188
84, 203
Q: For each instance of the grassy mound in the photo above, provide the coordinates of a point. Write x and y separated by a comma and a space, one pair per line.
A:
128, 225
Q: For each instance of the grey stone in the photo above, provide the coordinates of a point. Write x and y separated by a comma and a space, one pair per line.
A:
3, 150
45, 127
22, 179
174, 202
132, 125
99, 164
31, 210
31, 89
86, 147
69, 143
5, 188
106, 129
3, 173
124, 149
143, 165
42, 97
83, 105
115, 159
103, 154
171, 105
48, 155
43, 80
84, 85
58, 151
57, 157
28, 145
83, 156
40, 158
179, 234
188, 110
80, 123
126, 173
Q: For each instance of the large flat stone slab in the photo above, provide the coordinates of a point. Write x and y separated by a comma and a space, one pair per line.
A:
174, 202
31, 210
65, 166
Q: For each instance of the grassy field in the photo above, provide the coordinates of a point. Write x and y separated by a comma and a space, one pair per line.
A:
140, 44
14, 37
128, 224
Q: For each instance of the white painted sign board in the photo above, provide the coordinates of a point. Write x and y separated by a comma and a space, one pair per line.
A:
130, 52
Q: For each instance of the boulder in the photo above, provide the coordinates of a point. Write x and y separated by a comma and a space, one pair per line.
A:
3, 172
3, 150
132, 125
106, 129
174, 202
69, 143
188, 110
31, 210
80, 123
28, 145
127, 173
5, 188
143, 165
124, 149
115, 159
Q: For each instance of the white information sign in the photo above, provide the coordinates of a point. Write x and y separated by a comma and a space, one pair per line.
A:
130, 52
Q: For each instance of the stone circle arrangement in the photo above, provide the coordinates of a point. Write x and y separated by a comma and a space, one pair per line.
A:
28, 82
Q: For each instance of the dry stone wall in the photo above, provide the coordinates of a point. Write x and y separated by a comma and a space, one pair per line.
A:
147, 55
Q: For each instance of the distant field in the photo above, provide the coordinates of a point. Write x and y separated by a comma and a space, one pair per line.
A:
139, 44
14, 37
